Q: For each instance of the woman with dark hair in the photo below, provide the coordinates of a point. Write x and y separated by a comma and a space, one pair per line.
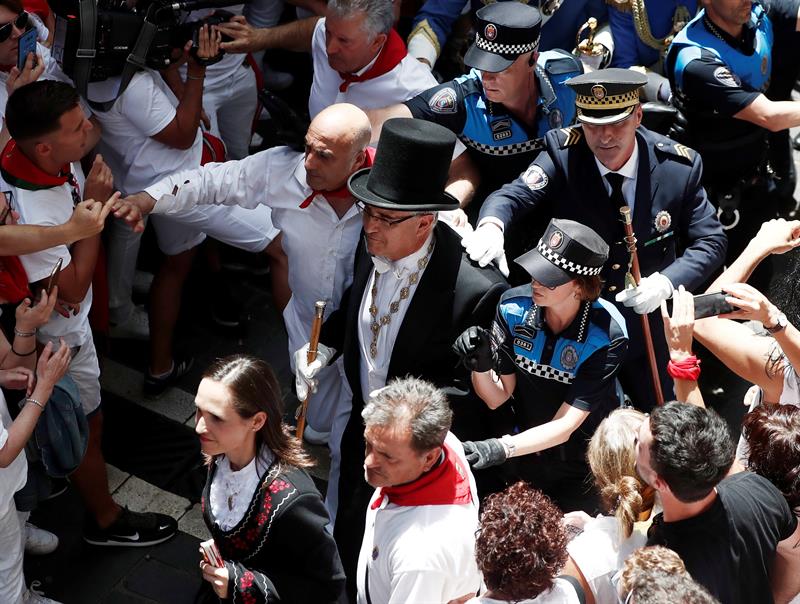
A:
264, 513
772, 434
521, 548
555, 347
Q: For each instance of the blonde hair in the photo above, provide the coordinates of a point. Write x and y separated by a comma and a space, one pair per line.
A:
646, 560
612, 458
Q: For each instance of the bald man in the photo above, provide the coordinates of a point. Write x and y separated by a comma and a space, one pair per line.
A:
310, 205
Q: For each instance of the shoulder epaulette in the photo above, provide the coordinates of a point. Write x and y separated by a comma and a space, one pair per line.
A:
676, 149
569, 136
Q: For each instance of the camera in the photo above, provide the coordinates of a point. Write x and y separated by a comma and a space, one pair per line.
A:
144, 34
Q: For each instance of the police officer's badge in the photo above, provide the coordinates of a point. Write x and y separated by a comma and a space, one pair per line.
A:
663, 221
569, 357
556, 239
444, 101
535, 178
501, 129
725, 77
555, 119
490, 32
599, 92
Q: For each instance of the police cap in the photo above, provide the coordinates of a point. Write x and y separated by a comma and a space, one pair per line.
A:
567, 250
503, 32
606, 96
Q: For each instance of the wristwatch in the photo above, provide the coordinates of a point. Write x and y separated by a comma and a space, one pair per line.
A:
508, 445
780, 324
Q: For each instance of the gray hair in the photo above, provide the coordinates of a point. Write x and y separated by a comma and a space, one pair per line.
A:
414, 403
379, 16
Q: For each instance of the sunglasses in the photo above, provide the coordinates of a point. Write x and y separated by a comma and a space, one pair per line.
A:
21, 23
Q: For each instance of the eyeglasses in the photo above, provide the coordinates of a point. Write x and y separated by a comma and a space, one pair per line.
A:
387, 222
20, 22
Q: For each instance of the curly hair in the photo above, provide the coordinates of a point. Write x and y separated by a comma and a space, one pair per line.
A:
612, 458
772, 433
646, 560
692, 449
521, 544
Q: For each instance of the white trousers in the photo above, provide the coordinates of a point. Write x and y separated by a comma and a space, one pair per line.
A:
12, 581
231, 106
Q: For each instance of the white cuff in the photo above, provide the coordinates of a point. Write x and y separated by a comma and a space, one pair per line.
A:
492, 220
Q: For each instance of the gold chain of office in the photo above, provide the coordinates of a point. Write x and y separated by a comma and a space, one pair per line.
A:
640, 19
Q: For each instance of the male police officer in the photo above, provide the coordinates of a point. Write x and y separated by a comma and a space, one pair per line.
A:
719, 67
502, 108
588, 172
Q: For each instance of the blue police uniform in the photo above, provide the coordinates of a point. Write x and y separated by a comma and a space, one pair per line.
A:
576, 366
501, 146
436, 17
628, 21
671, 216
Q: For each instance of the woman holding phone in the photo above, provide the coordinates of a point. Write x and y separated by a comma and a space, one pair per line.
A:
264, 513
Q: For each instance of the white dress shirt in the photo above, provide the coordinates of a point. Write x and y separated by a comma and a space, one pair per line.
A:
629, 170
232, 490
320, 246
406, 80
394, 276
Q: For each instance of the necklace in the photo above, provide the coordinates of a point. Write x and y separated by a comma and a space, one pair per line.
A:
376, 323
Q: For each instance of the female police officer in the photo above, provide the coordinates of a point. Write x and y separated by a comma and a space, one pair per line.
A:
555, 348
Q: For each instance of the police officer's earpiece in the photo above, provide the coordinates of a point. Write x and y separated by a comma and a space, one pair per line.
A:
532, 59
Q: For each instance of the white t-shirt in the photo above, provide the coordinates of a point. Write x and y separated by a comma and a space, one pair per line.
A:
562, 592
51, 207
145, 108
406, 80
422, 554
14, 477
599, 551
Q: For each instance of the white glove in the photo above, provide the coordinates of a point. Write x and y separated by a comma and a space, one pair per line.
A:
304, 372
648, 295
485, 245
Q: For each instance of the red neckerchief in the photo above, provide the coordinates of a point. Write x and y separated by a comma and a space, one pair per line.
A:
342, 192
13, 280
446, 484
19, 171
393, 51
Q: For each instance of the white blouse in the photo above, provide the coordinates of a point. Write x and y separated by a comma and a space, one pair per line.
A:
232, 491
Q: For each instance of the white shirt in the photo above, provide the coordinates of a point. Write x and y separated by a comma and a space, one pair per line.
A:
395, 277
236, 487
629, 170
420, 554
50, 207
406, 80
320, 246
562, 592
13, 477
145, 108
599, 551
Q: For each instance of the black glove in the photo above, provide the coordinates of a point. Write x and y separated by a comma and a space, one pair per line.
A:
475, 349
484, 453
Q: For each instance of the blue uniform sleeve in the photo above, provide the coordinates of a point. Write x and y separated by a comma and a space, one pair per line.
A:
709, 82
701, 234
443, 104
439, 15
536, 185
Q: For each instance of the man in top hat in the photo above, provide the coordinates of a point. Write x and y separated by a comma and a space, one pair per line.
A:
556, 348
502, 108
587, 173
413, 292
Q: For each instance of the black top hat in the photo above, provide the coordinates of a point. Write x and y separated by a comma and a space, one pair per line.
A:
606, 96
410, 168
503, 32
567, 249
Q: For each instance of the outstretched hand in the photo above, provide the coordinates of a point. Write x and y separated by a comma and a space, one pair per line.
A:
244, 36
679, 328
133, 209
778, 236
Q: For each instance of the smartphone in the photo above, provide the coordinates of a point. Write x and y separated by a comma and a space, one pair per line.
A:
52, 280
211, 553
27, 44
708, 305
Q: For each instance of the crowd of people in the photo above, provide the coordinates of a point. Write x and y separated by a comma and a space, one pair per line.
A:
528, 431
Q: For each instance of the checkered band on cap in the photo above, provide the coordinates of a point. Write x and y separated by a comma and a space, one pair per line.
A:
610, 101
567, 265
512, 149
543, 371
505, 49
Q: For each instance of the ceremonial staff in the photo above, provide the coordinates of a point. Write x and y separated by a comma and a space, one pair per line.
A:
632, 279
316, 326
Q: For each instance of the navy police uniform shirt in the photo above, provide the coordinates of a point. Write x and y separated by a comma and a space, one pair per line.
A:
501, 146
576, 366
713, 77
676, 226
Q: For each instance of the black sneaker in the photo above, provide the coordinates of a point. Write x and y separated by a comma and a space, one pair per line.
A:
132, 529
155, 386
